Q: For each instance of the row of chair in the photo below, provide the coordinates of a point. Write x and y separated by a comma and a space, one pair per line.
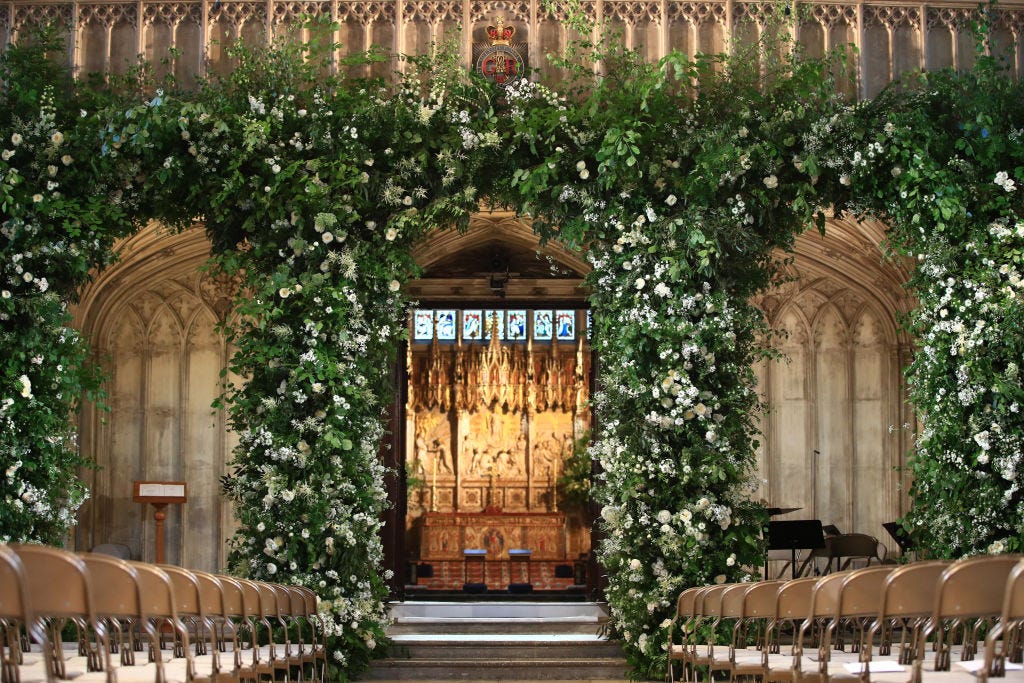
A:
871, 624
191, 625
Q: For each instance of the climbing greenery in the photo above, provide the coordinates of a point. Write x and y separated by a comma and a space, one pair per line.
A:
681, 182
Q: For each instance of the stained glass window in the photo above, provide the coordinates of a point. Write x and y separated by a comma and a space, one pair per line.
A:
492, 318
516, 325
565, 325
423, 324
445, 325
472, 325
543, 325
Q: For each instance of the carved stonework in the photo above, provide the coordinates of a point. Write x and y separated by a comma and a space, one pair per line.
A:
512, 10
108, 14
172, 13
833, 15
892, 16
632, 12
39, 15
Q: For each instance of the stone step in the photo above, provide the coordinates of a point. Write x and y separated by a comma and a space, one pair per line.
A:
504, 647
494, 627
425, 610
491, 670
493, 640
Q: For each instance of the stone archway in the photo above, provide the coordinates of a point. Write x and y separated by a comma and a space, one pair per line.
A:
498, 264
826, 448
152, 319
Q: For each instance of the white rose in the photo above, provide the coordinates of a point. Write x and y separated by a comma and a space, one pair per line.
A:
640, 283
845, 179
635, 564
771, 182
584, 174
391, 234
671, 200
327, 237
26, 386
284, 292
394, 285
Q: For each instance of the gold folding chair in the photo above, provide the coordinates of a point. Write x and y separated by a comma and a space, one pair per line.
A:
46, 568
16, 616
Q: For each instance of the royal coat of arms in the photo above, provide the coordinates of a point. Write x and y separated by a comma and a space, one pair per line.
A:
501, 62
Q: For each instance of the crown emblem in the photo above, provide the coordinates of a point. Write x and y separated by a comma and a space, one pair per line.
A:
499, 33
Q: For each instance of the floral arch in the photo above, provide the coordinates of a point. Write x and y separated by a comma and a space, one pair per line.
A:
679, 181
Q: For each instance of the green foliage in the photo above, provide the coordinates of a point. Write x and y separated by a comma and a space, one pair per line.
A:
942, 161
62, 205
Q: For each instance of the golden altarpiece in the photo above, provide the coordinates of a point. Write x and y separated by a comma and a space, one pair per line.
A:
497, 400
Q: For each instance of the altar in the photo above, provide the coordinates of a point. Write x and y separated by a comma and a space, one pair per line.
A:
497, 404
444, 536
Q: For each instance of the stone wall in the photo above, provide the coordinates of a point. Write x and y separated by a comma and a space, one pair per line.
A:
891, 37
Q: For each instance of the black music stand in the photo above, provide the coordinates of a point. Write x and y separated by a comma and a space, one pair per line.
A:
793, 535
900, 535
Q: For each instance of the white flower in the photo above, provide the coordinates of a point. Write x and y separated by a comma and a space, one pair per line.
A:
720, 579
37, 198
394, 285
407, 200
640, 282
635, 564
287, 495
391, 234
261, 527
26, 386
671, 200
16, 139
731, 560
57, 137
845, 179
1004, 180
6, 294
580, 165
584, 174
51, 170
997, 547
271, 568
771, 182
284, 292
664, 516
7, 154
66, 159
982, 440
327, 237
276, 168
662, 290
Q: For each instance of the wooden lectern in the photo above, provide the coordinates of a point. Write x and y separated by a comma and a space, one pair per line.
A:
160, 494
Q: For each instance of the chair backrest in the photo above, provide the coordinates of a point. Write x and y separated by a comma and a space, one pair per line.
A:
187, 596
234, 597
974, 587
732, 600
1013, 608
685, 602
910, 590
269, 606
252, 601
211, 594
15, 601
45, 570
861, 591
759, 600
115, 586
711, 601
825, 595
793, 600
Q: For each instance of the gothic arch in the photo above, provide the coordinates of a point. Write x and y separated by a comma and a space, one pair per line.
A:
153, 316
826, 447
